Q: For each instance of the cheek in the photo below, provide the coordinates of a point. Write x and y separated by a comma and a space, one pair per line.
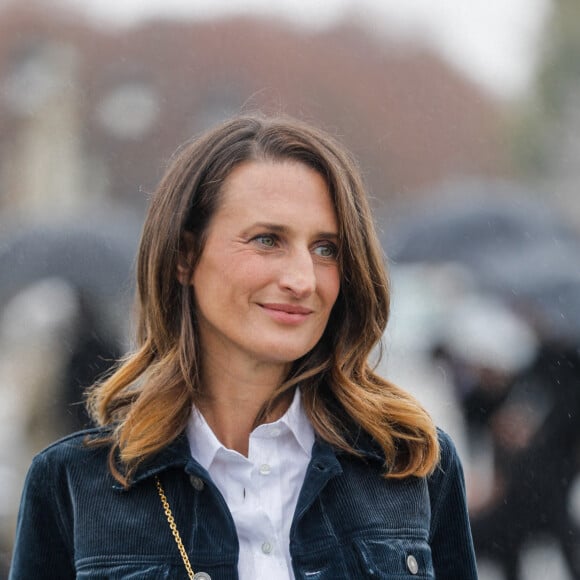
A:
329, 285
240, 280
249, 270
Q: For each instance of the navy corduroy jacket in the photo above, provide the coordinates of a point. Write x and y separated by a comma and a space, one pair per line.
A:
75, 521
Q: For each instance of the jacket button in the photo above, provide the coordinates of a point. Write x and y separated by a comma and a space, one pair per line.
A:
198, 484
201, 576
412, 564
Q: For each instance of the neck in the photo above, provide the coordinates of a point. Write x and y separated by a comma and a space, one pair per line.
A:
233, 397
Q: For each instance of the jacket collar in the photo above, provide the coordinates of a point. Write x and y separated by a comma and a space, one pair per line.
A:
366, 446
178, 455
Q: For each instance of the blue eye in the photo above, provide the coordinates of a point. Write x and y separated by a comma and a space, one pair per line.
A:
266, 240
326, 250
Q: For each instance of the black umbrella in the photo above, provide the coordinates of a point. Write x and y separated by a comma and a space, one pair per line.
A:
512, 243
95, 255
543, 280
465, 221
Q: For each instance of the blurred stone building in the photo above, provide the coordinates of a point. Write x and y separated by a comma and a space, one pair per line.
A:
88, 115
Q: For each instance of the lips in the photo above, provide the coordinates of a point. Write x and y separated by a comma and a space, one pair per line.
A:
287, 313
289, 308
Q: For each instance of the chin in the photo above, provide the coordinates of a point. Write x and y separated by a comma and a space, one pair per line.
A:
285, 354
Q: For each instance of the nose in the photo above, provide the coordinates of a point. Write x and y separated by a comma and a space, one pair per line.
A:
298, 276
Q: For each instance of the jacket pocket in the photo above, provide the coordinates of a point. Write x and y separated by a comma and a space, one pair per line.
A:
395, 558
103, 568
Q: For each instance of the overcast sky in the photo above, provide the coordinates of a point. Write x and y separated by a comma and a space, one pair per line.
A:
496, 42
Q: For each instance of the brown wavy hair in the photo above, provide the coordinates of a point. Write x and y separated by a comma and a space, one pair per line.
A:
148, 399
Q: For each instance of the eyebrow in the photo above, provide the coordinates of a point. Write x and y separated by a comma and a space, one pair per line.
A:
278, 228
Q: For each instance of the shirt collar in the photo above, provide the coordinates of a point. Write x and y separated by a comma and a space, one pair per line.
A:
204, 445
297, 422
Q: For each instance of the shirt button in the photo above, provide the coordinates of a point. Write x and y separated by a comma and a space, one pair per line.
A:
412, 564
265, 469
267, 548
275, 431
196, 482
201, 576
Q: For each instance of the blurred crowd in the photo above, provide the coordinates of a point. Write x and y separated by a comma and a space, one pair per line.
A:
487, 295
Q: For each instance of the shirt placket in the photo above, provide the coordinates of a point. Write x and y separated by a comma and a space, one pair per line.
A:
268, 552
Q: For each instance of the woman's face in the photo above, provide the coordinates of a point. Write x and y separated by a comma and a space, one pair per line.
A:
268, 276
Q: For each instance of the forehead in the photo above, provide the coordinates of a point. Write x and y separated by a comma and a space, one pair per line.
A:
276, 187
261, 173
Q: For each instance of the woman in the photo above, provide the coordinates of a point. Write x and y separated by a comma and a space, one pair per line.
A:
247, 436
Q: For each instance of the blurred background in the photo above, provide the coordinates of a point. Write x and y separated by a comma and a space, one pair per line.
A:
465, 118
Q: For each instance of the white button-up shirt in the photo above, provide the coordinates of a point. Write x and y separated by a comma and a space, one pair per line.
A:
261, 490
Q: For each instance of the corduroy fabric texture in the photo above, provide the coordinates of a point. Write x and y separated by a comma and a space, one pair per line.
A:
75, 521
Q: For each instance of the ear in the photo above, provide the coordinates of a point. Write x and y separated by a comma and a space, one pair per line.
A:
185, 260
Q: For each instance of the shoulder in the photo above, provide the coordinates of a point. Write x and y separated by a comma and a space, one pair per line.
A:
71, 453
75, 442
59, 475
447, 452
449, 465
446, 483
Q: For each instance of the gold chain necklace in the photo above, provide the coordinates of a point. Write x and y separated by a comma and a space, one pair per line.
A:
173, 526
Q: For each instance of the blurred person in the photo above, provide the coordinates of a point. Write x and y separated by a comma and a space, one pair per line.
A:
536, 437
486, 344
247, 435
520, 391
49, 353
